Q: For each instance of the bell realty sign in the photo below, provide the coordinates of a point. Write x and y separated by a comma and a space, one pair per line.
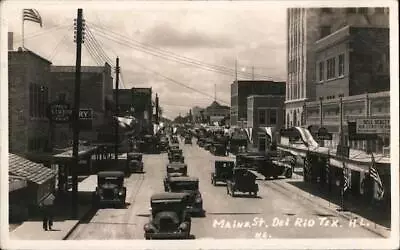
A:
373, 126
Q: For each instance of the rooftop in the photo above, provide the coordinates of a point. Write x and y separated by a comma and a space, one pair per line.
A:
31, 171
27, 51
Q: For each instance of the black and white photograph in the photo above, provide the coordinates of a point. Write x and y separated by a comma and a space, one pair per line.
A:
199, 124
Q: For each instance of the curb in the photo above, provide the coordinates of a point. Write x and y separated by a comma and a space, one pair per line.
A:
70, 231
380, 230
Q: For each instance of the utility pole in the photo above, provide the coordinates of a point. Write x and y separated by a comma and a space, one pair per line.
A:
79, 40
157, 110
116, 110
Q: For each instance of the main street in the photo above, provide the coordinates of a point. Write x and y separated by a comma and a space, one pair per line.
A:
276, 213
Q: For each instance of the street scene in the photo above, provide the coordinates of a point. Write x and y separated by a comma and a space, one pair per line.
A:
192, 123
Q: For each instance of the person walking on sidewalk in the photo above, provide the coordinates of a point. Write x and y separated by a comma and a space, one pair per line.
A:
47, 210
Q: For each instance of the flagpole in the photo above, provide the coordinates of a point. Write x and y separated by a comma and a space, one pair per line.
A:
23, 46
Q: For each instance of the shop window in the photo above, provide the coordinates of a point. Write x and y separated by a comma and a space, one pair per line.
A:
341, 65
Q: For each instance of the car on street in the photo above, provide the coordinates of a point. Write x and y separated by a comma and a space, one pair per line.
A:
176, 157
189, 185
174, 170
219, 149
135, 162
110, 188
242, 180
169, 217
188, 140
223, 171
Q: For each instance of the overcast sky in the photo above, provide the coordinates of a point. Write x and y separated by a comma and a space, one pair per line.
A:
208, 33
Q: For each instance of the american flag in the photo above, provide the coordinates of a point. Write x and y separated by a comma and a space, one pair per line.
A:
373, 172
32, 15
346, 183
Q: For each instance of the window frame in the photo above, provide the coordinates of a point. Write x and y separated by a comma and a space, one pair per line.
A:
261, 111
321, 71
331, 68
341, 68
270, 112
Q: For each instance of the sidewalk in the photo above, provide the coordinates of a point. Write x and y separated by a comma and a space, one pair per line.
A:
374, 220
63, 223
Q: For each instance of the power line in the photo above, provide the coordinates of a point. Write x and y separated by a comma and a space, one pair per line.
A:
170, 79
62, 40
163, 54
36, 34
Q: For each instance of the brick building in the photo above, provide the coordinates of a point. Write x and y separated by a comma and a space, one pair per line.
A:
125, 101
96, 94
143, 108
352, 61
304, 28
265, 116
240, 90
29, 84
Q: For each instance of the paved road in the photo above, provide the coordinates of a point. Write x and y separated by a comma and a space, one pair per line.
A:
277, 213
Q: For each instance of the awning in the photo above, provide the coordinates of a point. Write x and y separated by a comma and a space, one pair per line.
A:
267, 130
126, 122
307, 137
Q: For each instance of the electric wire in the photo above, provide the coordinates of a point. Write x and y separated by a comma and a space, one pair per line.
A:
61, 41
163, 54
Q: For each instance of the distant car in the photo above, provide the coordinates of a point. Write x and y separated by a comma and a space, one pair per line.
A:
173, 170
219, 149
169, 217
110, 188
223, 171
174, 151
135, 162
188, 185
200, 142
164, 144
242, 180
188, 140
176, 157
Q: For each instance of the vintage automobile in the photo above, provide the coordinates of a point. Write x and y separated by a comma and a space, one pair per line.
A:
219, 149
110, 188
150, 144
164, 143
223, 171
188, 139
176, 157
135, 162
174, 151
190, 185
208, 144
265, 164
200, 142
169, 217
174, 170
242, 180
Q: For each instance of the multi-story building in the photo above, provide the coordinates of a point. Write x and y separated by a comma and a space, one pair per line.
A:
242, 89
197, 113
304, 28
96, 94
265, 115
28, 90
353, 63
216, 112
125, 101
143, 108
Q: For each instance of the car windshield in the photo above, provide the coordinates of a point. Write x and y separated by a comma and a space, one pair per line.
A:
175, 169
184, 185
110, 180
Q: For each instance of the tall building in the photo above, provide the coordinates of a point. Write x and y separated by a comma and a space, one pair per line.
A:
96, 95
242, 89
304, 28
216, 112
143, 108
28, 95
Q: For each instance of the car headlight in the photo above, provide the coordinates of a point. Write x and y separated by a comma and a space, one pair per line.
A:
183, 226
120, 193
198, 199
149, 228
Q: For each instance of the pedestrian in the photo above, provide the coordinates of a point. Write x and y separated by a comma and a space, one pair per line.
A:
47, 210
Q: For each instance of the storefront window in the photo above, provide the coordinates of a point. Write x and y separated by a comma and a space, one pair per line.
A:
261, 116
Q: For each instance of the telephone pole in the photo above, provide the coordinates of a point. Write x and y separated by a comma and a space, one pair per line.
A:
79, 26
116, 110
157, 110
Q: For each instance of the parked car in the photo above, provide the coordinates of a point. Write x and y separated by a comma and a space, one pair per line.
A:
174, 151
169, 217
164, 144
150, 144
223, 171
135, 162
188, 185
242, 180
200, 142
219, 149
176, 157
110, 188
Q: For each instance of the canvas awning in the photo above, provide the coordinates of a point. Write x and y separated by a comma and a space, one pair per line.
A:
126, 122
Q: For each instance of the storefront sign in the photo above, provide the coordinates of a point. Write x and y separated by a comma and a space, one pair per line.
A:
323, 134
354, 136
59, 112
373, 126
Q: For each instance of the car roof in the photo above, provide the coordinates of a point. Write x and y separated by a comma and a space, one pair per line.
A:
183, 178
110, 174
168, 196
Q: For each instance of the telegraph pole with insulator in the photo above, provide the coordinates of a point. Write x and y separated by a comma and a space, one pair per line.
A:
116, 110
79, 27
157, 110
